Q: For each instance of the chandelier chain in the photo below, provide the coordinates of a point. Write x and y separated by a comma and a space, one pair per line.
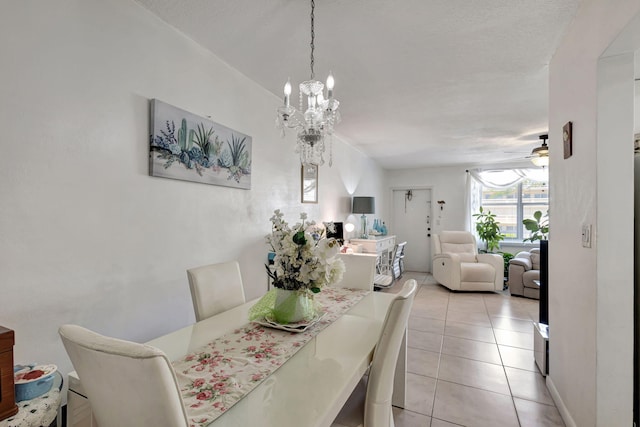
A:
313, 36
314, 124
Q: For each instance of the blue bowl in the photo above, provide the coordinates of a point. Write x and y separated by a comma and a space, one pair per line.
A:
33, 389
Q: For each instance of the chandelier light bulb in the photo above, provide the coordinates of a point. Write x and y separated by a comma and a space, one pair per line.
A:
330, 84
287, 92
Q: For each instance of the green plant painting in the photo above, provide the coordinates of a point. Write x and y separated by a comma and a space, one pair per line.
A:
188, 147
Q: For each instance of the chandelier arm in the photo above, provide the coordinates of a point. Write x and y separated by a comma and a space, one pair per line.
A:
295, 123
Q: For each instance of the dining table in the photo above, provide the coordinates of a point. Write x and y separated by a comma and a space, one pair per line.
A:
310, 386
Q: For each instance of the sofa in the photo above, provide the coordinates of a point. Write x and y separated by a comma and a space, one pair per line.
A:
458, 265
524, 268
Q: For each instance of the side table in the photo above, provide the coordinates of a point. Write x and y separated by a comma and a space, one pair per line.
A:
541, 347
40, 411
383, 247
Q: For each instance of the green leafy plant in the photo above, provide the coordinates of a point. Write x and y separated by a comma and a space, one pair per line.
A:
203, 140
183, 141
538, 226
237, 147
506, 256
488, 229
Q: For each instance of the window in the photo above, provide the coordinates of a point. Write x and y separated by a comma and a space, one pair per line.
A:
514, 203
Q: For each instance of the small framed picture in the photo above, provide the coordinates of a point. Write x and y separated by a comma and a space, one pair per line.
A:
567, 139
309, 183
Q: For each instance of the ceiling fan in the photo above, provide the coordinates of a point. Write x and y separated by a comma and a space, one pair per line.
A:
540, 155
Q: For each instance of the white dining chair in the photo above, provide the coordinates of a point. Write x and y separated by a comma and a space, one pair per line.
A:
128, 384
370, 403
359, 273
397, 263
215, 288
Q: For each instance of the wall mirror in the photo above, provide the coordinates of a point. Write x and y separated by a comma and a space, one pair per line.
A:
309, 183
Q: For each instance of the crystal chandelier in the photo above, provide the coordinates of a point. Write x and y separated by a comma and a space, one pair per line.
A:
315, 122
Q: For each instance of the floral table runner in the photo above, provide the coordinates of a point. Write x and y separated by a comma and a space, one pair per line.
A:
215, 377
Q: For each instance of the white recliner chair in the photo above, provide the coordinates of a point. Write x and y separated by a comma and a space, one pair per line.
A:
458, 265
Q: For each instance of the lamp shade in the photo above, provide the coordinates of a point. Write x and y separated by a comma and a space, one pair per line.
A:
364, 205
541, 161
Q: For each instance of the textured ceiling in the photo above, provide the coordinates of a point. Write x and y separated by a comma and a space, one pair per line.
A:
421, 82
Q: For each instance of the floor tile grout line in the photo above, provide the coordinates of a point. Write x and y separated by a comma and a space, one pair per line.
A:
504, 370
449, 422
474, 360
470, 358
477, 388
435, 389
535, 401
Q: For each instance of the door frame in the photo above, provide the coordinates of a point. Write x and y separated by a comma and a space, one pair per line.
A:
412, 187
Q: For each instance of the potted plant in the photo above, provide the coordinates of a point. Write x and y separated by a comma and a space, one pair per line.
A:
305, 260
538, 226
506, 256
488, 230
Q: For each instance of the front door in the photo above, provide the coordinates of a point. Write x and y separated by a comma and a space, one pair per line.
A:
412, 224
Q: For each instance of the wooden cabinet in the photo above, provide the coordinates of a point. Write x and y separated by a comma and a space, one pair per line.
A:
8, 405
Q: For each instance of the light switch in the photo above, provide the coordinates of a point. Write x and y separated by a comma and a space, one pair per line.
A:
586, 236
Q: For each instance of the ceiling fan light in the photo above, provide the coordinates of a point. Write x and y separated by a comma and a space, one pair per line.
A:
543, 150
541, 160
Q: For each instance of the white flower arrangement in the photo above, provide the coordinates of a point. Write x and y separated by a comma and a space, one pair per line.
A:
305, 259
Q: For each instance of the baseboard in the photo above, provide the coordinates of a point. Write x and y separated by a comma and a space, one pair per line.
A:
564, 412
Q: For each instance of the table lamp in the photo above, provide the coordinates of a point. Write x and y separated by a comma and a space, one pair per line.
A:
364, 205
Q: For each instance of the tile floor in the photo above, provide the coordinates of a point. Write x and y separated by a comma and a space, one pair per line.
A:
470, 360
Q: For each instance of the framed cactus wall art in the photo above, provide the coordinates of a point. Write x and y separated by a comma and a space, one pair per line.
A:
192, 148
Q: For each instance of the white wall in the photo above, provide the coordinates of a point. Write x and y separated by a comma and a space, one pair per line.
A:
590, 290
86, 236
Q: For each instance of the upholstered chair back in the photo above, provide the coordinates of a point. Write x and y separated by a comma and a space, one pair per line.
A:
215, 288
128, 384
370, 403
535, 258
462, 243
380, 383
